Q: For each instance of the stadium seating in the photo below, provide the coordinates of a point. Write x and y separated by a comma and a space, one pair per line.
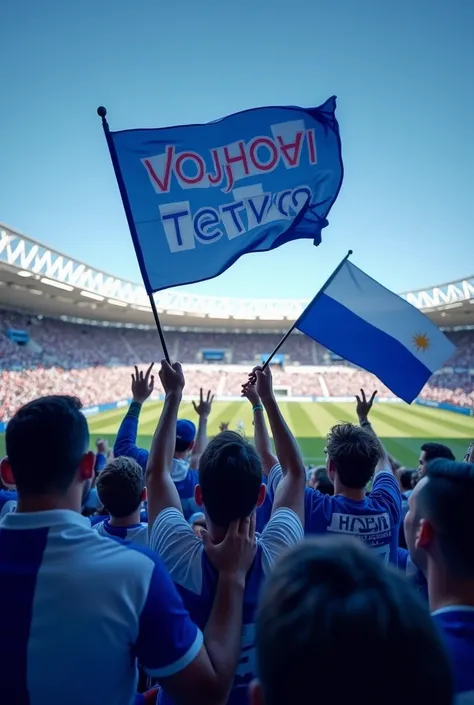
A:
93, 362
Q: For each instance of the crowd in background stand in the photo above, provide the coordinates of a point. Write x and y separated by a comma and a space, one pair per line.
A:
93, 362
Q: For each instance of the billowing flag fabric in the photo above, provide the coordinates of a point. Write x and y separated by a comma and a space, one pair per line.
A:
365, 323
201, 196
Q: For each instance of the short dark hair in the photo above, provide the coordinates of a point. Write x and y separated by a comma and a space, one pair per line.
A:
230, 476
406, 479
437, 450
120, 486
330, 601
325, 485
446, 502
45, 442
354, 453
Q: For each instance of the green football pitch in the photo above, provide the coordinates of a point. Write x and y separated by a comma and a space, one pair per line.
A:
402, 428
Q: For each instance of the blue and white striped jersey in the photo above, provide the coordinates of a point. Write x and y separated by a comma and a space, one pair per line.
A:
79, 603
137, 533
196, 579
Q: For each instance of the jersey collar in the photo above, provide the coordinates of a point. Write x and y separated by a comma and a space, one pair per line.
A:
41, 520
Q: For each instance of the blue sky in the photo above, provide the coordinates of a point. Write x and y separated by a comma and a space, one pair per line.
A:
402, 73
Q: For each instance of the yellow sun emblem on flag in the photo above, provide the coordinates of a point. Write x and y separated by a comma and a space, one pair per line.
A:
421, 342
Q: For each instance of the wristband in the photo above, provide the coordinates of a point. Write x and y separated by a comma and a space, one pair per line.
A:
257, 407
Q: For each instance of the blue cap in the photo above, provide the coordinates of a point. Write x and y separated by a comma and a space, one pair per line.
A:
185, 431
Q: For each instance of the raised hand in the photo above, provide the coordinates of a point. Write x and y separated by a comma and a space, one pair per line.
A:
469, 456
172, 377
262, 380
233, 557
249, 392
142, 384
363, 406
203, 409
102, 446
223, 426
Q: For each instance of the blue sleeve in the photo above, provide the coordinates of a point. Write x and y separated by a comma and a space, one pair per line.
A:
100, 462
125, 443
193, 476
386, 491
317, 511
168, 641
273, 480
402, 558
264, 513
185, 489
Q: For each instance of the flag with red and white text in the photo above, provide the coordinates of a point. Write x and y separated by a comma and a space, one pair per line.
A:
201, 196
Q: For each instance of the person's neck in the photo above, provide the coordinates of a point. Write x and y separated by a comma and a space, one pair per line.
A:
356, 494
45, 503
131, 520
217, 533
444, 590
181, 456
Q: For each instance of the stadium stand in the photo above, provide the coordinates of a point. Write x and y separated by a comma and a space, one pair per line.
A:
93, 362
151, 621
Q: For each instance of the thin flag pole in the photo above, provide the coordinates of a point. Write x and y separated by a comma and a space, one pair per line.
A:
325, 285
102, 113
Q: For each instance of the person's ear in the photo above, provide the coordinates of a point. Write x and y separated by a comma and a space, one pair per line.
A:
6, 474
262, 493
255, 693
144, 494
198, 496
86, 468
424, 535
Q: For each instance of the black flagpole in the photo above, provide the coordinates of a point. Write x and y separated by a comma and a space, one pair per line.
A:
325, 285
102, 112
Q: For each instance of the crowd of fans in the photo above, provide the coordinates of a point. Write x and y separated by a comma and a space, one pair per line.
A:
211, 572
93, 362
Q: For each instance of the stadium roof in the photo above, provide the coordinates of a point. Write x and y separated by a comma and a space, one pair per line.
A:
42, 281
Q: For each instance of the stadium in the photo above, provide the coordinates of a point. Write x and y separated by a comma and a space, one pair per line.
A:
68, 328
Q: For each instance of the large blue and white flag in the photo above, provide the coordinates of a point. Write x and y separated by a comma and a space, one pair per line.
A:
200, 196
365, 323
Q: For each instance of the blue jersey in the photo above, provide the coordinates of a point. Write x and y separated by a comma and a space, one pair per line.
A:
375, 519
48, 562
185, 481
413, 573
8, 500
138, 533
183, 554
92, 500
456, 624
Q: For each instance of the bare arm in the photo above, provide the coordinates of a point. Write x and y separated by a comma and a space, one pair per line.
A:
290, 491
262, 440
203, 409
161, 490
363, 409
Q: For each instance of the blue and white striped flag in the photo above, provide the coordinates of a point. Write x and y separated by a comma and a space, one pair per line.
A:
365, 323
